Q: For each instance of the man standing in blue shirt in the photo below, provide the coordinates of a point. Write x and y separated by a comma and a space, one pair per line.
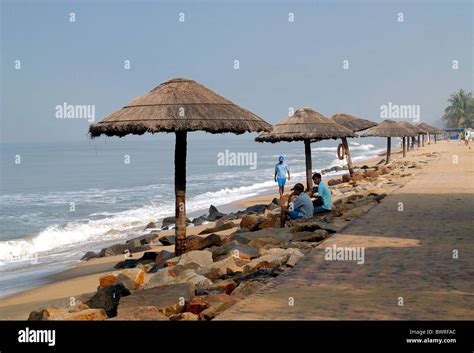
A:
281, 170
323, 202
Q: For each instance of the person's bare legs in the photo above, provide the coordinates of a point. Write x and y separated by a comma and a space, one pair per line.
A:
283, 214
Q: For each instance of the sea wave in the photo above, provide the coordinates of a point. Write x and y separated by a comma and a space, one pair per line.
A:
114, 225
122, 224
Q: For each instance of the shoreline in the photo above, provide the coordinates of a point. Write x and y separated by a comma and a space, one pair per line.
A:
232, 206
82, 277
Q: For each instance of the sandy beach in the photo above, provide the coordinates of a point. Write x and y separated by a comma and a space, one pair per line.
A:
81, 281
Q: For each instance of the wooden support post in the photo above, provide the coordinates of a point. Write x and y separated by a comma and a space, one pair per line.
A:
180, 191
309, 166
389, 148
348, 156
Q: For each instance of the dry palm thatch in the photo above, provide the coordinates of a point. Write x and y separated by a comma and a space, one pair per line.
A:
389, 129
179, 105
305, 125
430, 130
415, 129
354, 124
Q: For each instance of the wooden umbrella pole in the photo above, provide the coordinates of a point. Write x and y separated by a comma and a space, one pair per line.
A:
180, 191
348, 156
435, 138
389, 147
404, 145
419, 141
309, 166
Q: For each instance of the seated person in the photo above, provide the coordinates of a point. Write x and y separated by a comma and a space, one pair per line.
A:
323, 202
302, 205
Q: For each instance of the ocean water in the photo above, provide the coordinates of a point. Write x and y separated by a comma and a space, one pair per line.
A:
63, 199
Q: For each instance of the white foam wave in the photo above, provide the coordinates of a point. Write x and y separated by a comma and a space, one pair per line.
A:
115, 225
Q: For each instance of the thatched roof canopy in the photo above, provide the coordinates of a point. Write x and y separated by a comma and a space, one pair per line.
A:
179, 105
414, 128
305, 124
429, 129
353, 123
389, 128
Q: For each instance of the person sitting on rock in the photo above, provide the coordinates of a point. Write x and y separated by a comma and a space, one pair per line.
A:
323, 202
302, 205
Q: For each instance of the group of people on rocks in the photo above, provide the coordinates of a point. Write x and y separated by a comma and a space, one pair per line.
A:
301, 204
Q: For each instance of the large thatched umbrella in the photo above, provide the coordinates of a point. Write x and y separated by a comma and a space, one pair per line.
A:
179, 105
415, 129
305, 125
354, 124
430, 130
388, 129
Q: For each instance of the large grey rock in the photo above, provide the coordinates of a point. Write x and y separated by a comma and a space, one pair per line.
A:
169, 299
108, 298
118, 249
282, 234
267, 261
256, 209
189, 276
132, 278
200, 257
141, 313
311, 225
219, 268
214, 214
219, 286
243, 251
186, 316
169, 221
84, 315
216, 304
244, 289
218, 228
316, 236
90, 255
150, 225
161, 277
200, 243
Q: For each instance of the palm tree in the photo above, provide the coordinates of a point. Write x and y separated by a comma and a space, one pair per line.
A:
460, 112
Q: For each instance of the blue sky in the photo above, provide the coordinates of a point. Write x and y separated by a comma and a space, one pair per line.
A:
282, 64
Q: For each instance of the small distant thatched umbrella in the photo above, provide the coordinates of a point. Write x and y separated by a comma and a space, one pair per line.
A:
354, 124
305, 125
179, 105
430, 130
421, 133
415, 129
388, 129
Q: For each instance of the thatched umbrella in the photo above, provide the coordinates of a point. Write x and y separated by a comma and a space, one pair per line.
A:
415, 129
179, 105
388, 129
305, 125
430, 130
421, 133
354, 124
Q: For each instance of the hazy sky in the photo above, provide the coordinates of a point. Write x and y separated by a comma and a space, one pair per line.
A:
283, 64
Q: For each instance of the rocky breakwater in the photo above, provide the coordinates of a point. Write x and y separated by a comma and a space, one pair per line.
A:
223, 267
